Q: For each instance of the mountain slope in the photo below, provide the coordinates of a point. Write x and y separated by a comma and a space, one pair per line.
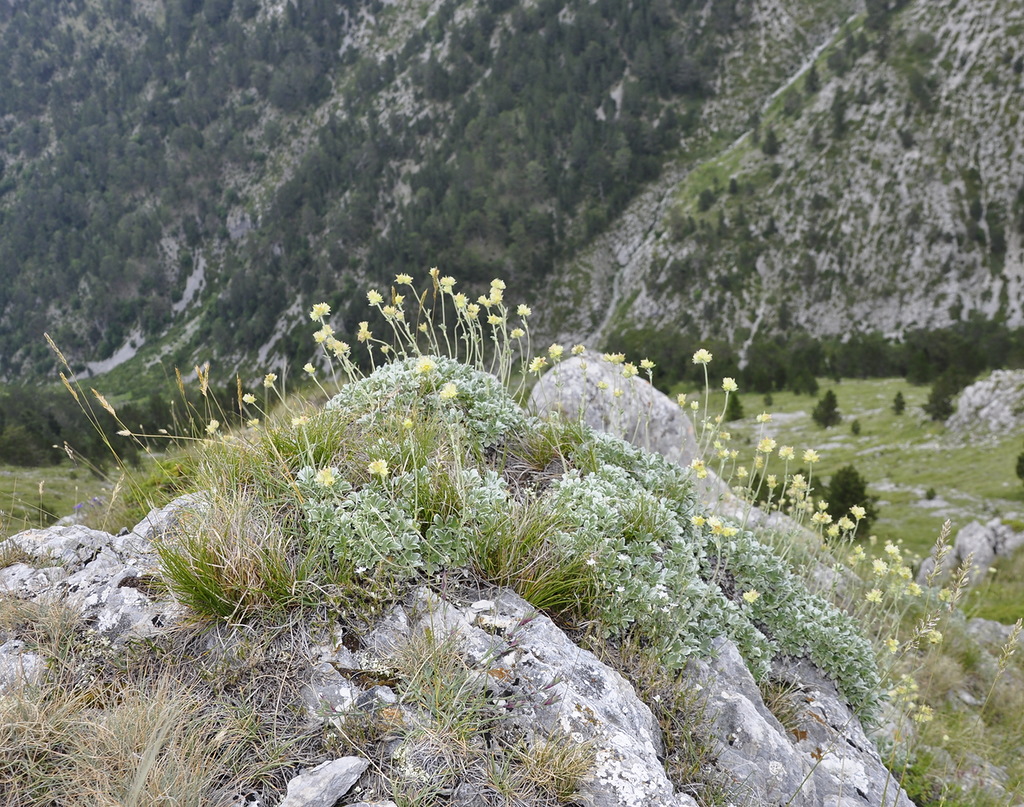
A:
884, 192
181, 179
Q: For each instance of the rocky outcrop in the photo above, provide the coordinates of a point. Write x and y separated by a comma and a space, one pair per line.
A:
993, 406
544, 685
822, 757
982, 543
589, 387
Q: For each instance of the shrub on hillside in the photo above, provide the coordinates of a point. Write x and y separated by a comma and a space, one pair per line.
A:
846, 489
946, 387
826, 413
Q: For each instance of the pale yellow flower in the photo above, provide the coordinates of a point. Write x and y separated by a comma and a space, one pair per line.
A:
537, 364
614, 358
702, 356
629, 370
249, 398
212, 427
697, 521
403, 279
873, 596
681, 399
811, 456
373, 297
498, 283
252, 423
301, 420
309, 368
378, 468
846, 524
892, 645
425, 364
494, 319
319, 311
646, 364
460, 300
786, 453
764, 417
364, 332
766, 446
472, 310
269, 379
448, 391
858, 512
602, 385
694, 405
577, 350
729, 384
556, 351
447, 283
517, 333
914, 590
523, 310
323, 334
407, 423
326, 477
923, 714
742, 472
752, 595
879, 567
832, 531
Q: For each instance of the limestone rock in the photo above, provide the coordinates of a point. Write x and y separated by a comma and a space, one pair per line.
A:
323, 785
983, 543
641, 415
992, 406
106, 578
823, 758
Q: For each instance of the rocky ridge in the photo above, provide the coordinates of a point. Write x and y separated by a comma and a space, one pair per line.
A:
510, 658
889, 189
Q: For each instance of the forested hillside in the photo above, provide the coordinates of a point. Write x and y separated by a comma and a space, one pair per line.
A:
182, 179
274, 154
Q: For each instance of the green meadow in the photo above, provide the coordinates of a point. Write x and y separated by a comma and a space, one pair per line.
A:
920, 473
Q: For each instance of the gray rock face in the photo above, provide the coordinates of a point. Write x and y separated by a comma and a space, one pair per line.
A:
823, 757
983, 543
992, 406
551, 687
587, 386
103, 577
645, 417
323, 785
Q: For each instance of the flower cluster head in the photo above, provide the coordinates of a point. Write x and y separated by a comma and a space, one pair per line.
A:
319, 311
702, 356
425, 364
269, 380
378, 468
449, 391
729, 384
326, 477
